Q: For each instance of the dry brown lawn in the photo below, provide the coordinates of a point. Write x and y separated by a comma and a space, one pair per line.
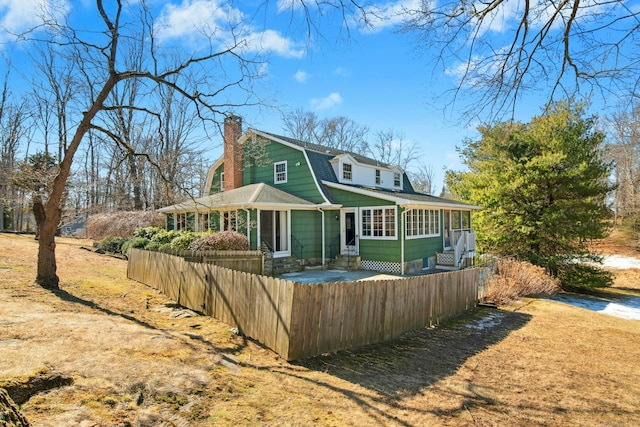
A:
536, 363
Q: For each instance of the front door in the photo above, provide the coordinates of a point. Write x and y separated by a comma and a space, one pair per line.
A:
349, 232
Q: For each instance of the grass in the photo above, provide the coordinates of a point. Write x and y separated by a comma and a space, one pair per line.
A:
536, 362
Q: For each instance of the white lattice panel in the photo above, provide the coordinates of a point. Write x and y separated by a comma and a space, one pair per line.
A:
445, 259
387, 267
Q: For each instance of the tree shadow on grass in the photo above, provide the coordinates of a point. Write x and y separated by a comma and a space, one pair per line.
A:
406, 366
186, 338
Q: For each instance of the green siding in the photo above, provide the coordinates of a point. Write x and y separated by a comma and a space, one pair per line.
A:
349, 199
380, 250
299, 178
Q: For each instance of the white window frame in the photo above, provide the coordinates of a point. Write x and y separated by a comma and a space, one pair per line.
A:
347, 175
421, 222
397, 179
221, 181
386, 210
284, 174
378, 177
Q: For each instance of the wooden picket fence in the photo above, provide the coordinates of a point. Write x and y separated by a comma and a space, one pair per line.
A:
300, 319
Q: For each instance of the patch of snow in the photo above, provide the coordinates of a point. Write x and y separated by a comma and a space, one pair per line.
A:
624, 308
620, 261
491, 320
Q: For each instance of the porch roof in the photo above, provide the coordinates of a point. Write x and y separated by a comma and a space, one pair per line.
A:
249, 196
403, 198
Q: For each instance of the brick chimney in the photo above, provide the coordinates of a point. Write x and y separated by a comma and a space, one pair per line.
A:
232, 153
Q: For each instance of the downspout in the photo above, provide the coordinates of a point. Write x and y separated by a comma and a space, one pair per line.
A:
403, 221
323, 233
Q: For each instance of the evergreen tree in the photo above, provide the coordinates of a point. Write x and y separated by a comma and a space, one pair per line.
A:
543, 186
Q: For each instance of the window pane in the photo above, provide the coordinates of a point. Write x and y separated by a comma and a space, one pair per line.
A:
466, 219
377, 222
346, 171
366, 222
390, 222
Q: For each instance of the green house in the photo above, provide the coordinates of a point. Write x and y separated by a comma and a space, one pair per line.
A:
321, 206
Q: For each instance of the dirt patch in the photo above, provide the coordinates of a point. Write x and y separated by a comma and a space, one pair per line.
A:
534, 363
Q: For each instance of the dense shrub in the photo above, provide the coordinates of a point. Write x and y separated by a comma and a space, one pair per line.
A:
584, 277
183, 240
134, 242
121, 224
515, 279
153, 246
222, 241
112, 244
148, 232
165, 236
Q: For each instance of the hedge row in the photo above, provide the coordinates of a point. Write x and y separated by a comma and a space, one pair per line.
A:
157, 238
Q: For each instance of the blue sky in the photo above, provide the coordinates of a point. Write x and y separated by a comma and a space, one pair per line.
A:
377, 77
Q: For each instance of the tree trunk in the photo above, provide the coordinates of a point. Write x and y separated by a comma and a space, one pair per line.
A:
46, 226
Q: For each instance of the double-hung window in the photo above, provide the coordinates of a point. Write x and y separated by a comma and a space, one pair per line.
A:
280, 172
378, 223
347, 171
396, 179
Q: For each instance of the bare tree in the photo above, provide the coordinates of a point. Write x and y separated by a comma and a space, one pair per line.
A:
14, 128
391, 147
344, 134
624, 151
339, 132
499, 49
423, 180
202, 77
301, 125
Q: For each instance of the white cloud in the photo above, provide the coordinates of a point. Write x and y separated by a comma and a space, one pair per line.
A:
327, 102
380, 17
301, 76
273, 41
204, 21
21, 15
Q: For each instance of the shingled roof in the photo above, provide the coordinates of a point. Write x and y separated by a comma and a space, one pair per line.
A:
253, 195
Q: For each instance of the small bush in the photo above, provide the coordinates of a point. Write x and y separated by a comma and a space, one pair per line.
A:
515, 279
112, 244
134, 242
222, 241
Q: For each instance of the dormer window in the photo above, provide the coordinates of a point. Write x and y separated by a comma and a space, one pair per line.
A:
347, 171
378, 179
396, 179
280, 172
